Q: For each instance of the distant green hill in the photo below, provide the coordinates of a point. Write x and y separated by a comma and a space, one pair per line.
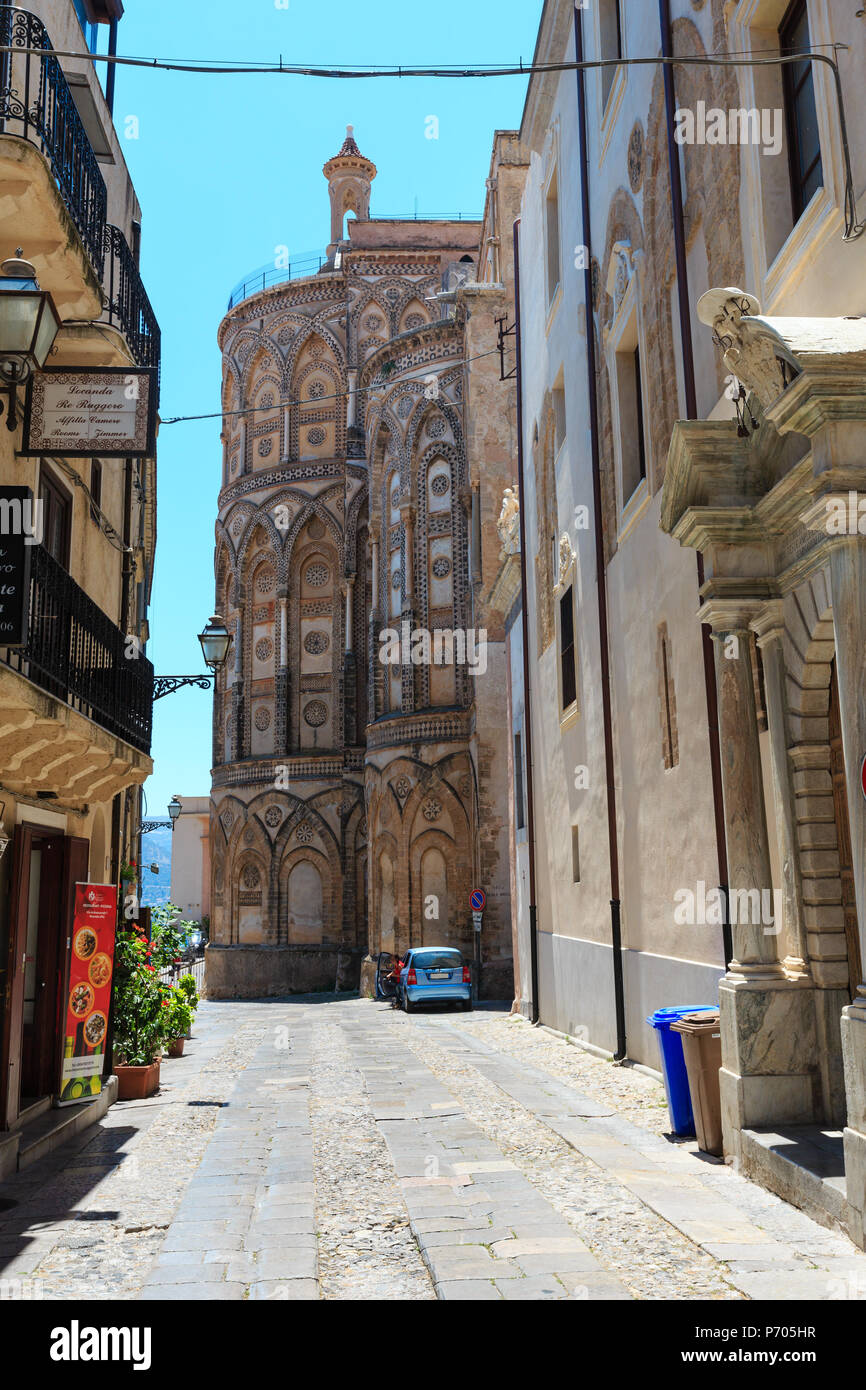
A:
156, 849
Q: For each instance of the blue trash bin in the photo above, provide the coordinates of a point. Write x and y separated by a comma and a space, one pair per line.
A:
674, 1066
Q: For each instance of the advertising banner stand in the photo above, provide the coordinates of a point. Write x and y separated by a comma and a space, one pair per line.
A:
87, 1004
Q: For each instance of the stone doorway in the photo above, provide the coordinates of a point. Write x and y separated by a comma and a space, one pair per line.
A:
843, 837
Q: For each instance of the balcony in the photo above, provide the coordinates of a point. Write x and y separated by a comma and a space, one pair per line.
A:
53, 195
92, 736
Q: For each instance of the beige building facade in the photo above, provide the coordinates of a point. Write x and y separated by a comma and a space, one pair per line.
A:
76, 697
190, 858
695, 652
359, 782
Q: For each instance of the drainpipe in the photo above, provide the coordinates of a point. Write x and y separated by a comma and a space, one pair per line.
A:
524, 618
111, 75
600, 568
692, 414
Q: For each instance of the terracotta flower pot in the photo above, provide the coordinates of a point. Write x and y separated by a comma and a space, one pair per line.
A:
136, 1083
175, 1049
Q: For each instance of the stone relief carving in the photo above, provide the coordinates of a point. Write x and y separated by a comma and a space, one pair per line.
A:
508, 524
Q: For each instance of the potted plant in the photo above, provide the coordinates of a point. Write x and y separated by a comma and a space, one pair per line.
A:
139, 1005
141, 1000
186, 983
128, 872
178, 1021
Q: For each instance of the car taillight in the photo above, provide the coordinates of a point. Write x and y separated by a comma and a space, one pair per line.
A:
411, 978
467, 975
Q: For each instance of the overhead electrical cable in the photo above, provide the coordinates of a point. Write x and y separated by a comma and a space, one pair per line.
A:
853, 228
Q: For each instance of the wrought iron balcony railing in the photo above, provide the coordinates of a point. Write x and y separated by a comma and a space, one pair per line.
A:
128, 305
76, 653
36, 102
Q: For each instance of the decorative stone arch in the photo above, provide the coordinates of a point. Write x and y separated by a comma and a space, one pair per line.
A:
312, 507
305, 550
316, 329
249, 557
832, 953
371, 295
452, 455
296, 921
249, 880
428, 410
443, 928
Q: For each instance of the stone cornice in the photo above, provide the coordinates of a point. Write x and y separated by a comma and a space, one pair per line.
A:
707, 464
401, 349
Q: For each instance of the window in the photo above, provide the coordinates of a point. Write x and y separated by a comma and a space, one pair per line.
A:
801, 116
611, 43
57, 517
559, 416
95, 489
575, 854
667, 700
568, 666
519, 814
631, 424
552, 238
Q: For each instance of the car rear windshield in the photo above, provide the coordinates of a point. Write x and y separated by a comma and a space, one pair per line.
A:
437, 960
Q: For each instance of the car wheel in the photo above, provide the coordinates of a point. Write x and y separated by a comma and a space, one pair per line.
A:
467, 1006
407, 1004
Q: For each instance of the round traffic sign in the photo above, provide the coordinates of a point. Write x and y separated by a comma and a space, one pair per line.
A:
863, 776
477, 900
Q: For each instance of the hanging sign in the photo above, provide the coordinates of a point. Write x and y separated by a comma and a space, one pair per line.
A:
88, 993
109, 413
20, 530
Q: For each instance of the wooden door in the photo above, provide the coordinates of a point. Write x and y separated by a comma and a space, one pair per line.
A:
44, 958
13, 1014
843, 838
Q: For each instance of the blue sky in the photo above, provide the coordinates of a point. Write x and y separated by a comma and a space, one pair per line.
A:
227, 169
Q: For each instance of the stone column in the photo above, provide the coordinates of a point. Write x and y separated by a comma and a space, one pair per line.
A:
848, 586
769, 629
755, 953
287, 434
350, 586
374, 595
407, 511
767, 1023
243, 446
352, 402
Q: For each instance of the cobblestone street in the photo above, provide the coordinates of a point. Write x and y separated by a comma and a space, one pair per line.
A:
335, 1149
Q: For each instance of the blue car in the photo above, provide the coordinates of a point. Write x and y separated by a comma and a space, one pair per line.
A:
435, 974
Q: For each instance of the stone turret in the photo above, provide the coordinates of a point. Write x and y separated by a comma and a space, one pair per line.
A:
350, 177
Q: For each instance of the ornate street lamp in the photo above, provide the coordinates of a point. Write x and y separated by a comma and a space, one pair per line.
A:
215, 642
174, 810
29, 323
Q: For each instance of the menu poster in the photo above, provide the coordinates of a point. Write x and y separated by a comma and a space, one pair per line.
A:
88, 997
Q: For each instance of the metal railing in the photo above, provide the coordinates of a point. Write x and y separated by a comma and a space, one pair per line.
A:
36, 103
190, 964
76, 653
128, 305
269, 275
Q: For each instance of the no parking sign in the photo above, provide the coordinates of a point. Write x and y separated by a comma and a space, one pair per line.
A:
478, 900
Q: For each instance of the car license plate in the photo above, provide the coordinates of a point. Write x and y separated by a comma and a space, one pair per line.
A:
438, 974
